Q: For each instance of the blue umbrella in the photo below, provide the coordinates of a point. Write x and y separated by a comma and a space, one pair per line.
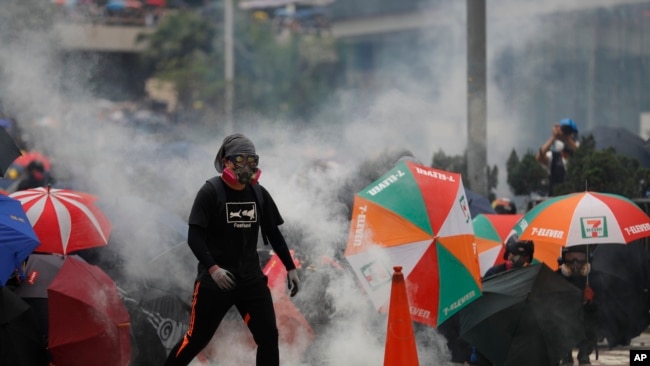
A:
116, 5
17, 238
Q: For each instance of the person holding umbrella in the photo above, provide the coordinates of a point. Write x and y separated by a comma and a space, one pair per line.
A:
575, 267
518, 254
228, 212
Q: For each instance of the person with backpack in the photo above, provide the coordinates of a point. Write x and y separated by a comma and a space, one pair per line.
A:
556, 151
225, 220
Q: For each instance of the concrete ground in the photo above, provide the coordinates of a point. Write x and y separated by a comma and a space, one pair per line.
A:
619, 356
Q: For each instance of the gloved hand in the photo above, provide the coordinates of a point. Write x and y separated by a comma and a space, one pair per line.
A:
587, 295
224, 279
293, 282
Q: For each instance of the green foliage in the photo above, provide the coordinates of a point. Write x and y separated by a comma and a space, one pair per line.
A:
526, 176
284, 76
601, 171
458, 164
589, 169
181, 51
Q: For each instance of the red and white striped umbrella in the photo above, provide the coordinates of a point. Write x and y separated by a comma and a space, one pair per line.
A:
64, 220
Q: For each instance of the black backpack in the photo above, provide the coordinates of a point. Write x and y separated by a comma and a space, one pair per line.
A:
217, 183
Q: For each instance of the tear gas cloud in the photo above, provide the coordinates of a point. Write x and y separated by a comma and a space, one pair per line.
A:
147, 182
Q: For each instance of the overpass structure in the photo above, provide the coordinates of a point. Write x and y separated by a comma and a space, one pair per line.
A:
99, 37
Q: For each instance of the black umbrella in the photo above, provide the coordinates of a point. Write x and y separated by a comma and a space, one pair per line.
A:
528, 316
478, 204
9, 151
620, 278
159, 318
40, 271
20, 343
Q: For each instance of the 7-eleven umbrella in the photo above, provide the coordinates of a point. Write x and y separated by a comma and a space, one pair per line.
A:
580, 219
416, 217
491, 231
64, 220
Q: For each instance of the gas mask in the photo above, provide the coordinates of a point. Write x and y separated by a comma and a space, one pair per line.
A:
245, 169
518, 260
575, 268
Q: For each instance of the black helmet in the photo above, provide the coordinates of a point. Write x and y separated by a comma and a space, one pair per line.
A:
36, 165
516, 246
576, 249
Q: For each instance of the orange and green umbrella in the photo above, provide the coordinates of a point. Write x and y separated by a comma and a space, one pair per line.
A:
581, 219
418, 218
491, 231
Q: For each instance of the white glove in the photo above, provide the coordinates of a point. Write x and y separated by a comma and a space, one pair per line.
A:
223, 278
293, 282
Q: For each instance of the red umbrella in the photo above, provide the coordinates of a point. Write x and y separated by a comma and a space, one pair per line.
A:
160, 3
88, 323
64, 220
133, 4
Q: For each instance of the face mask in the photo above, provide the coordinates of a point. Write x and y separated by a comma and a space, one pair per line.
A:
244, 174
518, 261
241, 175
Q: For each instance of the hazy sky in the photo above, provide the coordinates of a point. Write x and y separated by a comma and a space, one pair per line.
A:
112, 162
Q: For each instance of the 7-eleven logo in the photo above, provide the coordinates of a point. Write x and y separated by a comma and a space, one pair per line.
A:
594, 227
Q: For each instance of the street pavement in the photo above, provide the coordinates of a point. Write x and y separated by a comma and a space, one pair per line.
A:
619, 356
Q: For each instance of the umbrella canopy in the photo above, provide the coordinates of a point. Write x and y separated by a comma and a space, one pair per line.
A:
9, 151
159, 318
40, 271
116, 5
491, 231
418, 218
64, 220
581, 219
620, 278
160, 3
20, 344
527, 316
88, 323
123, 4
261, 4
18, 237
478, 204
133, 4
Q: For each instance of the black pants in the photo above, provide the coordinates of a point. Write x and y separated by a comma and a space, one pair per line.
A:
210, 305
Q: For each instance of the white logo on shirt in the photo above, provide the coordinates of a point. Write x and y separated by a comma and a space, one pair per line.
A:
241, 212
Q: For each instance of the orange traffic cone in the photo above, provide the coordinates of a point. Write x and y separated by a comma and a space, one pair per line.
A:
400, 339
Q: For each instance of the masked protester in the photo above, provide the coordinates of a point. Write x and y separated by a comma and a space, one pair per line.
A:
555, 153
33, 176
575, 267
518, 253
228, 212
